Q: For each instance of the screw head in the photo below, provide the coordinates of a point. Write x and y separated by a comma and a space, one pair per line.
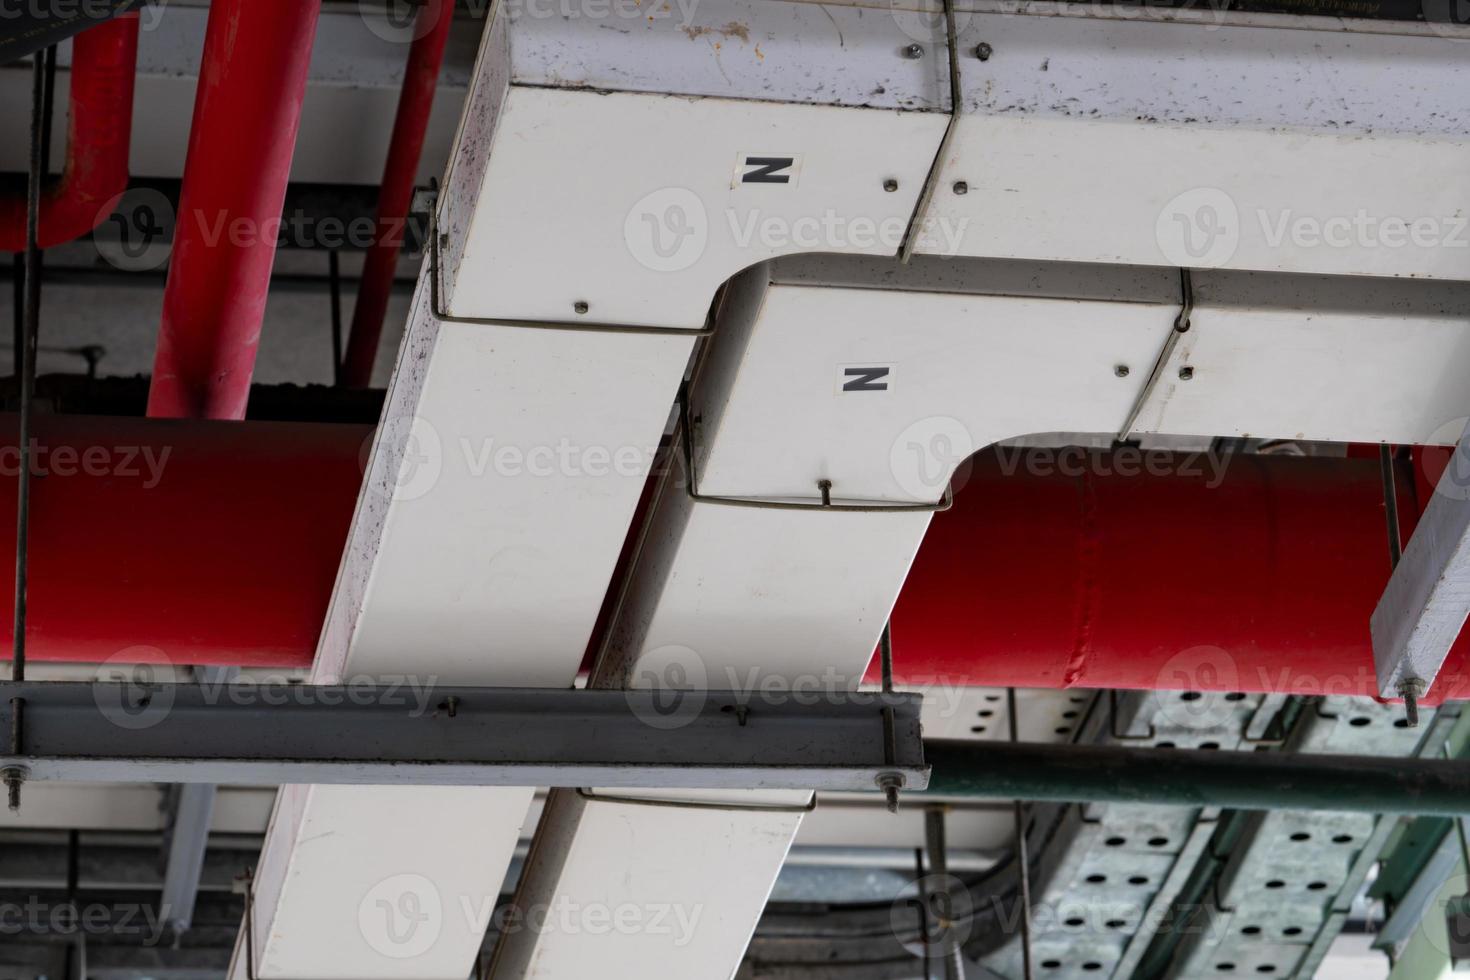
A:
1121, 370
890, 185
581, 306
960, 187
914, 51
983, 51
1186, 373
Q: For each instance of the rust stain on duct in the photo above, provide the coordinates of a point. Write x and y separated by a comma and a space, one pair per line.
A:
732, 29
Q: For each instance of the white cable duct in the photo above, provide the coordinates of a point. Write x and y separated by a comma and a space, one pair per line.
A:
949, 357
1120, 136
503, 451
500, 490
596, 184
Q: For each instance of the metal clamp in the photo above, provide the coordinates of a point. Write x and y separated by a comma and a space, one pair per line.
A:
691, 484
1181, 327
436, 305
956, 106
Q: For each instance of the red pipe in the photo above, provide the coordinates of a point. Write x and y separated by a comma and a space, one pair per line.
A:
246, 114
1072, 574
380, 264
99, 131
224, 548
215, 542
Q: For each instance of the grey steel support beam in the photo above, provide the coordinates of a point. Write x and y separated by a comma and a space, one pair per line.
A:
188, 839
249, 735
1427, 599
188, 833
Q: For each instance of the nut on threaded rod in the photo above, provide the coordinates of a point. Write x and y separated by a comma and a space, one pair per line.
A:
890, 783
15, 775
1411, 689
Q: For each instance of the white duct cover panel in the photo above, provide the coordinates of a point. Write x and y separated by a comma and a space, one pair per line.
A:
621, 889
890, 376
721, 598
732, 597
1344, 360
636, 184
503, 450
1200, 145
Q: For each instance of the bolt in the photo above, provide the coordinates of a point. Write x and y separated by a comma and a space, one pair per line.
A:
581, 306
13, 777
1121, 370
960, 187
825, 486
890, 185
890, 783
1186, 373
914, 51
1411, 689
983, 51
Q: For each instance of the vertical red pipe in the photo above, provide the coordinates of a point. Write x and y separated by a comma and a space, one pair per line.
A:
99, 130
431, 31
246, 114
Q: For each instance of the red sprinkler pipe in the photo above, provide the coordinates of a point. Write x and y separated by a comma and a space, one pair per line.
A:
1080, 571
99, 131
246, 115
218, 543
415, 104
214, 542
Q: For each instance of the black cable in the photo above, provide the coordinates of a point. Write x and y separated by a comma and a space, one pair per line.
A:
48, 109
28, 366
18, 307
14, 776
1023, 859
334, 283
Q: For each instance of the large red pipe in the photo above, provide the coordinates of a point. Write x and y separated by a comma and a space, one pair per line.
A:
1087, 570
214, 542
1046, 573
99, 130
380, 264
247, 111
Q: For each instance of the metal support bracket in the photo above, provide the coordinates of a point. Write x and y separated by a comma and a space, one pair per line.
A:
250, 735
1427, 599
